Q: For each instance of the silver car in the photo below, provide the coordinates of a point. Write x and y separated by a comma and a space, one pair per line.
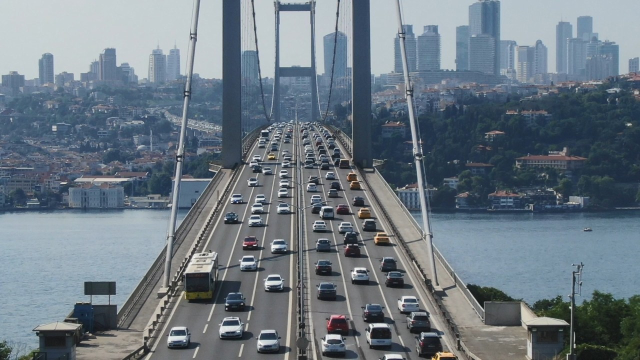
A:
268, 341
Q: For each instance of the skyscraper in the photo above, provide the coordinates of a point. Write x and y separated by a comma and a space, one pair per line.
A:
564, 31
484, 18
507, 56
585, 27
540, 59
249, 66
45, 66
14, 81
428, 49
634, 64
410, 47
526, 58
340, 41
612, 50
482, 54
128, 74
108, 67
576, 57
157, 67
462, 48
173, 64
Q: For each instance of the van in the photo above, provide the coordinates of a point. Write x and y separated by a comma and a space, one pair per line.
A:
378, 334
344, 164
326, 212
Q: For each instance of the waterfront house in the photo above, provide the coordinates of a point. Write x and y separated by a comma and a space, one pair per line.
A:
506, 200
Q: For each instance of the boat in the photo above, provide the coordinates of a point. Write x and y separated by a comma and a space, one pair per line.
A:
587, 229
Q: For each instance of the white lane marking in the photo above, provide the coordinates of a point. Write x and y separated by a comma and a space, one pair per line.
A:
196, 353
205, 328
286, 356
241, 348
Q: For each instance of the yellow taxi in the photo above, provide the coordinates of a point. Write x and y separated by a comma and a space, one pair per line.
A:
364, 213
271, 156
444, 355
381, 239
352, 177
355, 185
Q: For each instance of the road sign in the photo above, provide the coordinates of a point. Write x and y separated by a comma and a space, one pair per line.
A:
302, 343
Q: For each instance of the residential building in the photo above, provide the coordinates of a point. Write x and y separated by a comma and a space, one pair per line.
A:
505, 200
585, 27
428, 49
482, 54
339, 40
493, 135
64, 78
611, 49
634, 65
173, 64
410, 48
108, 67
92, 196
410, 196
392, 128
451, 182
564, 32
484, 19
507, 56
524, 68
157, 67
128, 74
45, 67
558, 160
13, 81
462, 48
479, 168
599, 67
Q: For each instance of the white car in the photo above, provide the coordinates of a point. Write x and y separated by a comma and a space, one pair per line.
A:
253, 182
345, 227
257, 158
286, 140
283, 208
257, 208
283, 174
407, 304
267, 171
236, 199
333, 344
255, 220
231, 328
330, 176
360, 274
312, 187
248, 262
284, 183
268, 341
286, 163
392, 357
283, 193
179, 336
261, 198
278, 246
316, 198
274, 282
253, 163
319, 225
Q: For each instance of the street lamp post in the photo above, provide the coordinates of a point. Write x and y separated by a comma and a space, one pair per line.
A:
576, 278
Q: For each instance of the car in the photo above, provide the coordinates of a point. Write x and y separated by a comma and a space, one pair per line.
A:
274, 282
352, 250
358, 201
248, 262
428, 344
407, 304
316, 207
284, 183
267, 171
274, 147
261, 198
234, 301
355, 185
345, 227
256, 168
283, 174
323, 245
236, 199
444, 355
257, 158
286, 140
179, 336
352, 177
319, 225
335, 185
314, 179
312, 187
315, 199
250, 242
392, 357
287, 158
387, 264
257, 208
268, 341
332, 193
231, 328
343, 209
330, 175
262, 144
381, 238
283, 208
364, 213
283, 193
231, 218
308, 165
418, 321
272, 156
373, 313
394, 278
323, 267
360, 275
369, 225
337, 324
324, 166
326, 291
255, 220
253, 164
333, 344
253, 182
278, 246
350, 237
378, 334
286, 163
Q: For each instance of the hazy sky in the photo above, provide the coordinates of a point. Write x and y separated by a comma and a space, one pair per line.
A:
76, 31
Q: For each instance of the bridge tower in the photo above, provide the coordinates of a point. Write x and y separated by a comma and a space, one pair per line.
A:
231, 84
361, 82
309, 72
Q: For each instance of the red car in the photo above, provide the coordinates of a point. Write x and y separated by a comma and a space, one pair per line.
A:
337, 324
352, 250
342, 209
250, 242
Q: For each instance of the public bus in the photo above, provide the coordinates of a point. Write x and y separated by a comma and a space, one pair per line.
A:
201, 276
264, 134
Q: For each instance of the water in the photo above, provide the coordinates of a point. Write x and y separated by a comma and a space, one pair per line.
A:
529, 256
47, 257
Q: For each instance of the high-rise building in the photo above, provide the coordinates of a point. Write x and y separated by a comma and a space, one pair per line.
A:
634, 65
564, 32
576, 57
64, 78
599, 67
484, 18
482, 53
507, 56
128, 74
410, 47
45, 66
13, 80
173, 64
157, 67
429, 49
249, 69
585, 27
338, 39
108, 67
462, 48
540, 59
526, 58
611, 49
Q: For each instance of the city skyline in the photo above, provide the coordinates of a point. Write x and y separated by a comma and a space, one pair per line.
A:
171, 26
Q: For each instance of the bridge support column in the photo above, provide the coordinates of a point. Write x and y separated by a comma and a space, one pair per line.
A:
231, 84
361, 88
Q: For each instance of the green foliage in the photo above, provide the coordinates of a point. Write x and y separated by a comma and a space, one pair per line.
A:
5, 350
484, 293
160, 183
595, 352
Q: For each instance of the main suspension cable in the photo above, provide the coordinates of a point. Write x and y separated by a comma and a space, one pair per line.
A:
255, 37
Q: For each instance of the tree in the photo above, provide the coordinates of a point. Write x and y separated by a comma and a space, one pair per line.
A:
565, 187
485, 293
5, 350
18, 197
